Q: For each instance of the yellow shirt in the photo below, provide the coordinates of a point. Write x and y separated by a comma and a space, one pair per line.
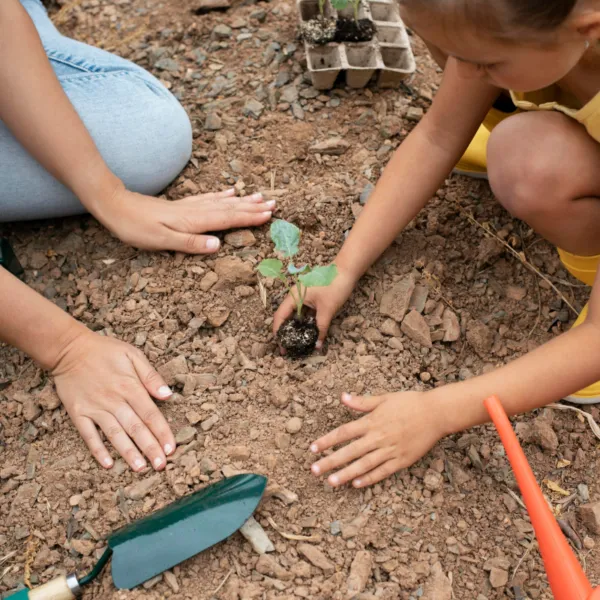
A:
553, 98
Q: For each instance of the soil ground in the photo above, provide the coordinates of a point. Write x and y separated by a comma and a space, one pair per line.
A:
447, 527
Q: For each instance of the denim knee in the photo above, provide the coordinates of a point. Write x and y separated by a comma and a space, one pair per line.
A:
164, 140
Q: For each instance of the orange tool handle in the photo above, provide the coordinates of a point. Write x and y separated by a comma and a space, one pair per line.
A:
565, 575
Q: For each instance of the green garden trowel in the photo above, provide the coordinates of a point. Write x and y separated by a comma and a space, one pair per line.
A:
146, 548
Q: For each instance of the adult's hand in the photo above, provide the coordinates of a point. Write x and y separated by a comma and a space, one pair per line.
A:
106, 383
155, 224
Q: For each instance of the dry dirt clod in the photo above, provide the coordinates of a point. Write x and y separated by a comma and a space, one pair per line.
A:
335, 146
438, 586
415, 327
294, 425
481, 337
171, 581
256, 536
451, 326
85, 547
360, 572
240, 239
590, 516
268, 566
541, 433
208, 281
142, 488
169, 371
233, 271
498, 577
185, 435
395, 301
316, 558
48, 398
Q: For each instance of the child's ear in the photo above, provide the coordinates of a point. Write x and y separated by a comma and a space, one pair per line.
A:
587, 24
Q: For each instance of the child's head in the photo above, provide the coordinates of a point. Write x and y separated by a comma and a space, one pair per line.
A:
517, 44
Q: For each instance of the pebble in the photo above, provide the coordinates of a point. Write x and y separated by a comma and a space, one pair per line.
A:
366, 193
414, 113
31, 409
451, 326
193, 417
498, 577
542, 434
267, 565
260, 15
289, 94
415, 327
282, 441
480, 337
584, 492
294, 425
208, 281
335, 528
283, 78
171, 581
167, 64
85, 547
185, 435
240, 239
256, 536
213, 122
222, 32
419, 298
394, 302
297, 111
253, 108
391, 328
240, 453
232, 271
438, 586
48, 398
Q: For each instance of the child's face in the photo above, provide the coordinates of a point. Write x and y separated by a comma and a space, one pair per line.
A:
522, 67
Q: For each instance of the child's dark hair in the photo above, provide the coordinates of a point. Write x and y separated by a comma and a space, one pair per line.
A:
503, 17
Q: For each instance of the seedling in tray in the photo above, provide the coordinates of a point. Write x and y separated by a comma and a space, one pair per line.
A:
299, 334
352, 29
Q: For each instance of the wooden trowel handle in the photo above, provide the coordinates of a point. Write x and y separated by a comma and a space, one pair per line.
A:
57, 589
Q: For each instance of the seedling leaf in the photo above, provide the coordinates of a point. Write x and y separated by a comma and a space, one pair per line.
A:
286, 237
270, 267
319, 276
293, 270
339, 4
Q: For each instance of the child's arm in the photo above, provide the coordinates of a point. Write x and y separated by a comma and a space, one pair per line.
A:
400, 428
411, 178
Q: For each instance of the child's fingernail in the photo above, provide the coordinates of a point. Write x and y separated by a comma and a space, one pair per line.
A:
357, 482
212, 243
314, 448
267, 214
107, 462
315, 469
256, 197
230, 191
271, 203
157, 462
164, 391
319, 344
346, 397
138, 463
334, 480
168, 449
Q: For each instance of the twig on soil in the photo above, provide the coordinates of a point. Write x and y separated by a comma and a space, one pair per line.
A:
525, 555
539, 315
63, 14
30, 552
516, 498
292, 536
520, 255
570, 533
7, 557
593, 425
223, 582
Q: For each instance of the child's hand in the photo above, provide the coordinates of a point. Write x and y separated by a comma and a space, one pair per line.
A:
325, 300
107, 384
399, 429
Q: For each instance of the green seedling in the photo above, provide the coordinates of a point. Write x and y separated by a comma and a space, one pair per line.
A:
297, 280
322, 7
342, 4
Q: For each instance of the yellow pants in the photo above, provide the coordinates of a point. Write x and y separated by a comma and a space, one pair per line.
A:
474, 163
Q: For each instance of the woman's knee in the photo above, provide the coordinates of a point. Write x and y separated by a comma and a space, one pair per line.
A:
151, 140
524, 167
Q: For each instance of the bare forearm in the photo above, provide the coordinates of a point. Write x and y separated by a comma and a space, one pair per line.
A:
564, 365
35, 108
33, 324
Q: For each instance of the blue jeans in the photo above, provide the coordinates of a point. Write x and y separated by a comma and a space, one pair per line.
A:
141, 130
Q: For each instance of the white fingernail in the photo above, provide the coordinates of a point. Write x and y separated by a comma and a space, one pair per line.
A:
313, 448
107, 462
230, 191
334, 480
164, 391
357, 483
271, 203
267, 214
212, 243
319, 345
346, 397
168, 449
315, 469
157, 462
139, 463
256, 197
